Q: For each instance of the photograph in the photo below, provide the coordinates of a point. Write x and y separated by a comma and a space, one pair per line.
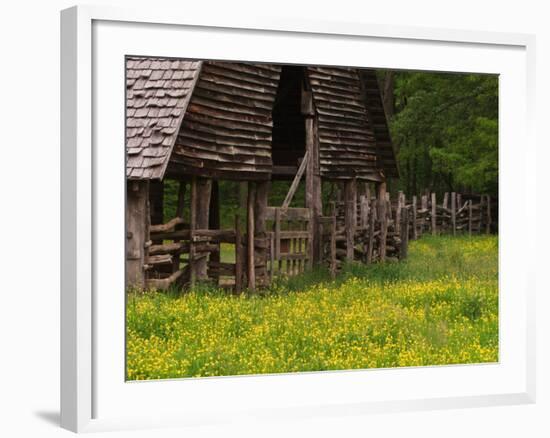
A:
285, 218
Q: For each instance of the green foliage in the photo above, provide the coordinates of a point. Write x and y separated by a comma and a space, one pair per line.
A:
440, 306
446, 129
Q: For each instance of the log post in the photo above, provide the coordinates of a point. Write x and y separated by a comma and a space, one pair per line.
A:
470, 217
414, 220
370, 247
214, 223
260, 206
251, 271
481, 215
453, 212
313, 175
383, 218
398, 212
350, 189
434, 215
192, 228
239, 256
202, 213
404, 234
277, 226
137, 232
446, 200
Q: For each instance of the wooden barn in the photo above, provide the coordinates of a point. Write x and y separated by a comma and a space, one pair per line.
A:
200, 122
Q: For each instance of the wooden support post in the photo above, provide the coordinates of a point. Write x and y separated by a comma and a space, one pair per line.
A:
453, 212
192, 228
364, 203
313, 175
414, 220
350, 216
398, 212
371, 232
333, 242
383, 218
481, 213
202, 213
260, 206
239, 256
277, 226
434, 215
214, 223
137, 232
404, 234
470, 217
446, 200
271, 256
251, 271
458, 201
488, 225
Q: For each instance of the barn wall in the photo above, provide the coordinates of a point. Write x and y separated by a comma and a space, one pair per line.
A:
226, 131
347, 147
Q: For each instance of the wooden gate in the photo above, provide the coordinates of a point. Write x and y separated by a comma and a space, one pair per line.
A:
291, 241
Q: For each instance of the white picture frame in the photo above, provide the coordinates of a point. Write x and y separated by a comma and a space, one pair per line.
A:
92, 386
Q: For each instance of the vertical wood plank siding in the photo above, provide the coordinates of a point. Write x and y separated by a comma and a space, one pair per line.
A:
379, 124
347, 146
227, 128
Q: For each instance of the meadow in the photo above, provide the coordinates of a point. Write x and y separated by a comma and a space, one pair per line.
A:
437, 307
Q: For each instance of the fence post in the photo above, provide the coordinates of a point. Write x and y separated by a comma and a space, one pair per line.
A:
192, 227
371, 232
414, 223
453, 212
398, 212
239, 256
434, 215
333, 241
481, 205
445, 200
383, 218
250, 237
404, 234
470, 217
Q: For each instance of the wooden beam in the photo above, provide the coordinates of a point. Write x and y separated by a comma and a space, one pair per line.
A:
137, 232
453, 212
296, 181
350, 192
260, 231
239, 256
202, 212
192, 227
383, 218
434, 215
251, 271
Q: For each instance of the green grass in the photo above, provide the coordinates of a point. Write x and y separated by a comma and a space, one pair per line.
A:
440, 306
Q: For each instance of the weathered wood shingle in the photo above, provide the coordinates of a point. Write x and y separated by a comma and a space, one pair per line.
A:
227, 128
347, 146
157, 94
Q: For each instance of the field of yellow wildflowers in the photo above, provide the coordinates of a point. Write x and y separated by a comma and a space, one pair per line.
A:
440, 306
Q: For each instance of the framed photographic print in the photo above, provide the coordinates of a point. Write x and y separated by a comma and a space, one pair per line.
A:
291, 219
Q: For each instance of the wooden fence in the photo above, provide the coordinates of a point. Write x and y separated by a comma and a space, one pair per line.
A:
372, 230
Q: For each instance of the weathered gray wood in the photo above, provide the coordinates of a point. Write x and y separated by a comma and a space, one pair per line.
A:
277, 236
414, 219
296, 181
446, 200
470, 217
204, 192
271, 256
214, 224
260, 231
192, 228
398, 212
434, 214
165, 283
383, 218
137, 232
251, 271
404, 234
168, 226
239, 256
290, 214
481, 213
364, 203
453, 212
350, 188
370, 247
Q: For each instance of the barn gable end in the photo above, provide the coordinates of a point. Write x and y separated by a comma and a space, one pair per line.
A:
227, 128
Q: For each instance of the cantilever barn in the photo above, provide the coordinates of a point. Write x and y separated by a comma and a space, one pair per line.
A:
201, 122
